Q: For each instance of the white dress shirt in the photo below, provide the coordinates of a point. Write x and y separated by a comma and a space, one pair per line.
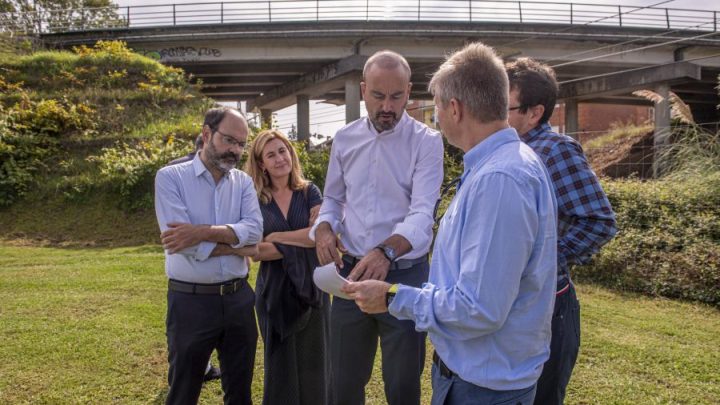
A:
383, 183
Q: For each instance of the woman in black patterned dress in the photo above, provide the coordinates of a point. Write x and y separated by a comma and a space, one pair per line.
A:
292, 313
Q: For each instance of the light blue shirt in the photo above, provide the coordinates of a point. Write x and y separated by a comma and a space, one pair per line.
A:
383, 183
488, 304
187, 193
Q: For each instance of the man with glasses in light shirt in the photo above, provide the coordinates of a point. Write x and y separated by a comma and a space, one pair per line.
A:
383, 178
209, 217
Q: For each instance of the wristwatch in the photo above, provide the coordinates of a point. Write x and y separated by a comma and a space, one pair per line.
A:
388, 251
391, 294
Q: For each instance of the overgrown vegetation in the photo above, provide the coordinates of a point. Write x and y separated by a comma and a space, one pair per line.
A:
668, 242
54, 104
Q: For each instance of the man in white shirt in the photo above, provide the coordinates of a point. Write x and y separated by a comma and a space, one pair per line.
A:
383, 179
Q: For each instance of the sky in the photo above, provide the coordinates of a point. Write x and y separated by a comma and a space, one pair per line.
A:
326, 119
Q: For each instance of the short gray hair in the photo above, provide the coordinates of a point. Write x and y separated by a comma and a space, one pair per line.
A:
386, 59
476, 77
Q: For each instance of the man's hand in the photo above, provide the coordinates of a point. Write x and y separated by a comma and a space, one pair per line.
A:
374, 266
326, 245
181, 236
369, 295
314, 212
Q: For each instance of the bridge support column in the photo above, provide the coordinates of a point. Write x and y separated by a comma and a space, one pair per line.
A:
571, 118
266, 117
661, 138
352, 98
303, 117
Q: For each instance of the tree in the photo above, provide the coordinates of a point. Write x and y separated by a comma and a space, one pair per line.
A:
60, 15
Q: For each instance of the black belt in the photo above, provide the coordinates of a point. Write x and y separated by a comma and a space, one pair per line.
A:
402, 264
225, 288
444, 370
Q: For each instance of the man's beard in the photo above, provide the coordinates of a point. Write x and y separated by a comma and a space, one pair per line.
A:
385, 125
225, 162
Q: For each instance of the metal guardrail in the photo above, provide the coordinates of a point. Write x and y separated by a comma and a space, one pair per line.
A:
270, 11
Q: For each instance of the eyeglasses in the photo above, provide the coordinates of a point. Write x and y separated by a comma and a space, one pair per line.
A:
443, 192
229, 140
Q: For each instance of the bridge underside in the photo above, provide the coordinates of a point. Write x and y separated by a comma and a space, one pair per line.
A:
272, 66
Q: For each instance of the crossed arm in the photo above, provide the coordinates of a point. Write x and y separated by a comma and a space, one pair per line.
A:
266, 250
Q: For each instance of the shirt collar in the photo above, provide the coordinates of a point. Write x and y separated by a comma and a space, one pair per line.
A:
482, 151
401, 123
542, 128
198, 165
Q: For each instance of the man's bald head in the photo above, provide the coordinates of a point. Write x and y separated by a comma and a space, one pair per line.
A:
388, 60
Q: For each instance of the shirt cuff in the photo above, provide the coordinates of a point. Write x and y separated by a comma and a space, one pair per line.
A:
412, 234
203, 251
320, 220
402, 305
241, 233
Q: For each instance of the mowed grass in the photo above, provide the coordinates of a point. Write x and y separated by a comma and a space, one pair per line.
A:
87, 326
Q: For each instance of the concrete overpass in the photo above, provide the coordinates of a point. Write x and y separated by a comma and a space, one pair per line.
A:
274, 54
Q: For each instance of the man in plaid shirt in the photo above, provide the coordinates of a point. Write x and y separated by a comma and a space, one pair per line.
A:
585, 219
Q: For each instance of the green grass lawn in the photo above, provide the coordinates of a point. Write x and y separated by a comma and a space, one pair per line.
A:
87, 326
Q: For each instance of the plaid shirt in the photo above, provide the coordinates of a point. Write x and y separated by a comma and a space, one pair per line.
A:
586, 220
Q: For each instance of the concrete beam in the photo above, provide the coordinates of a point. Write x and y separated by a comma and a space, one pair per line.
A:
661, 137
352, 98
266, 117
625, 82
329, 77
571, 118
303, 117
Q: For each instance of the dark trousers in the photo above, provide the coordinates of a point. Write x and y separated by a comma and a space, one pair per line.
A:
353, 342
564, 348
197, 324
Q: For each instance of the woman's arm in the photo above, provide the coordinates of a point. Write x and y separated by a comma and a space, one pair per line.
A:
298, 238
267, 252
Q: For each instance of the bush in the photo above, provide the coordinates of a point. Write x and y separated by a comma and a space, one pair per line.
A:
313, 163
668, 242
129, 170
21, 156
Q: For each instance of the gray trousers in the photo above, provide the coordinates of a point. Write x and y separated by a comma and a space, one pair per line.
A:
354, 338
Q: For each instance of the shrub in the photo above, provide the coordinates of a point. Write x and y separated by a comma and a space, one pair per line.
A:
129, 170
668, 241
21, 157
314, 163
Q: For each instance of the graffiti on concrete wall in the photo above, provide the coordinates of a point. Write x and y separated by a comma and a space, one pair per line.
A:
181, 53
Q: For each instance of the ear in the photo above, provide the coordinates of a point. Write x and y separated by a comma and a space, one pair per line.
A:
536, 113
206, 134
409, 88
456, 109
363, 89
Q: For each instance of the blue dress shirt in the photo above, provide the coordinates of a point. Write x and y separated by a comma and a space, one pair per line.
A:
488, 303
187, 193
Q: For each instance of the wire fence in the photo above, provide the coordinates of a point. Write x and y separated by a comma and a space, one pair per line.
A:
276, 11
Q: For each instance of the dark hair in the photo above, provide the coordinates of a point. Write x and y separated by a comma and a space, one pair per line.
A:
198, 142
214, 116
535, 83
